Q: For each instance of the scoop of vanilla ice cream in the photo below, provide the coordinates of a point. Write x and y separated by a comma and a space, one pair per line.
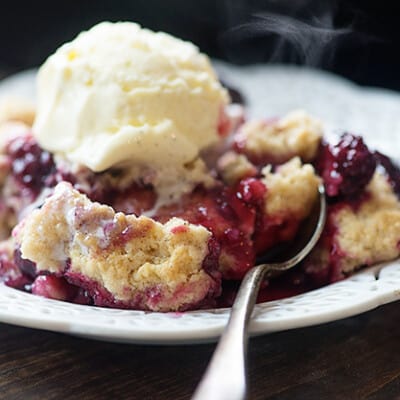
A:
119, 95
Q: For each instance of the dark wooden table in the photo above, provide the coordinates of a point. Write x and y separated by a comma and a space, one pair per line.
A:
356, 358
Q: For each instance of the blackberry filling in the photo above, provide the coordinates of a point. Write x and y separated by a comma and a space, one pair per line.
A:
32, 167
346, 167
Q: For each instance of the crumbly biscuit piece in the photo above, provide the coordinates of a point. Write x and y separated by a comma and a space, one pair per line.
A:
142, 263
371, 233
17, 109
233, 167
296, 134
291, 190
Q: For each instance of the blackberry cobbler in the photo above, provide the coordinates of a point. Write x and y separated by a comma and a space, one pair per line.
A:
83, 237
140, 186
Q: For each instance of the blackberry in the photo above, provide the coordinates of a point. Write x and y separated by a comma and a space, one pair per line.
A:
346, 167
31, 165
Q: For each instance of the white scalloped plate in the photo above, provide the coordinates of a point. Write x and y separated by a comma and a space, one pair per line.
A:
270, 90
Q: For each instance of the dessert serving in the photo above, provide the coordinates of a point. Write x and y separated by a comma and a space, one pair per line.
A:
140, 185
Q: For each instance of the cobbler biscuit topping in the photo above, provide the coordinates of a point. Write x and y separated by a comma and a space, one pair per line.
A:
278, 140
233, 167
359, 228
291, 190
359, 234
125, 257
363, 224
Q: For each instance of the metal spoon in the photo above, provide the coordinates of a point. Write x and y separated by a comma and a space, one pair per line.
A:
225, 377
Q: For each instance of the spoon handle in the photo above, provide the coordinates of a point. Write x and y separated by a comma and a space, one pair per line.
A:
225, 377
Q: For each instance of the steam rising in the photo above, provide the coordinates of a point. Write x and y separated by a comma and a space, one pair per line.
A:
303, 34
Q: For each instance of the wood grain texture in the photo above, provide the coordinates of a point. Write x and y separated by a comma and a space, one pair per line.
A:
356, 358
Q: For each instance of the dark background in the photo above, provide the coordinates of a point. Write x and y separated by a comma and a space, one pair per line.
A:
356, 39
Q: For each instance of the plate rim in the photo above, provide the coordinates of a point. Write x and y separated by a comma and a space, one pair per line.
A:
386, 292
